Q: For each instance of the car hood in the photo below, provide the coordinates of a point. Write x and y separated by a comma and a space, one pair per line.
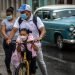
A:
66, 20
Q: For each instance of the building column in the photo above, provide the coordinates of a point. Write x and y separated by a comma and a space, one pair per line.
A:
12, 3
41, 3
22, 2
0, 7
53, 2
29, 2
7, 4
65, 1
19, 3
73, 2
45, 2
3, 5
25, 1
15, 6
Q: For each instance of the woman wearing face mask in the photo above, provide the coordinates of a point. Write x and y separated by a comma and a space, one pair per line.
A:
7, 25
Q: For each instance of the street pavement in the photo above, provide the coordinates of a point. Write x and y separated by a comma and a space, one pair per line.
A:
2, 65
58, 63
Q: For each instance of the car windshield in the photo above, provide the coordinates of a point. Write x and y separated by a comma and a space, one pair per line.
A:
57, 14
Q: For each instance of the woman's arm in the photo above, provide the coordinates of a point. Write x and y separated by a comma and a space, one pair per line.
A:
3, 31
34, 47
42, 32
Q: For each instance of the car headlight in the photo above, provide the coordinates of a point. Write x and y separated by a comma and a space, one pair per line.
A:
71, 28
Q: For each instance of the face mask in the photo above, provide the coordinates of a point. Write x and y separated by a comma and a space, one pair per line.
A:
24, 16
9, 17
23, 38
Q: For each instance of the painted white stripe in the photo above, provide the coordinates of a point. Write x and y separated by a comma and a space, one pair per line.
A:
54, 58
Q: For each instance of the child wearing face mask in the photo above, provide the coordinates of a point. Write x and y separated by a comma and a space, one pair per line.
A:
25, 35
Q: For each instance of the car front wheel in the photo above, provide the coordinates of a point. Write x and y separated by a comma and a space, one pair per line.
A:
59, 42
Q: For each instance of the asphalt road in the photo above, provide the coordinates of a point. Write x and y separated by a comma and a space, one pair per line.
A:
58, 62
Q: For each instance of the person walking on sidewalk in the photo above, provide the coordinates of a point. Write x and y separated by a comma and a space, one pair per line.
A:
6, 27
34, 24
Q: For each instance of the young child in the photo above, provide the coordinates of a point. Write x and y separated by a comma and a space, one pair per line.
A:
25, 35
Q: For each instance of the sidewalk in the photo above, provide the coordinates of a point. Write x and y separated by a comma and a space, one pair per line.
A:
2, 65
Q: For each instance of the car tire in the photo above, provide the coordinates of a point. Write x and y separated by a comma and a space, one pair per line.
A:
59, 42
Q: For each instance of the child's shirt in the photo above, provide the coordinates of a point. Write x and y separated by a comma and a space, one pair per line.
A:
29, 45
16, 57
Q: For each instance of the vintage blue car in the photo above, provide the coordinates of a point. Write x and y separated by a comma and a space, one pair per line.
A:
59, 21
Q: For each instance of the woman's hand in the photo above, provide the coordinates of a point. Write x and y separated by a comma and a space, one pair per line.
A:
38, 39
6, 37
34, 47
8, 41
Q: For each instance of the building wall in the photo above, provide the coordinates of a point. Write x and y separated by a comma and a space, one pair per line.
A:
4, 4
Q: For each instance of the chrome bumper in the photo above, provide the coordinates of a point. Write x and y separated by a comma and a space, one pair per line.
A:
69, 41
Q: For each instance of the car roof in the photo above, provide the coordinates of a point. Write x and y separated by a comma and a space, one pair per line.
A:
52, 7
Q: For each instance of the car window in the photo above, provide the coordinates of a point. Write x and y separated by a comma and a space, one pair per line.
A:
43, 14
46, 15
73, 12
39, 14
63, 13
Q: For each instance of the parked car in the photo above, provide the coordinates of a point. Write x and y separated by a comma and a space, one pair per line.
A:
59, 21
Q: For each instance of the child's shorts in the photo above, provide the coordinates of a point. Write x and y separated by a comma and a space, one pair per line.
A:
33, 66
